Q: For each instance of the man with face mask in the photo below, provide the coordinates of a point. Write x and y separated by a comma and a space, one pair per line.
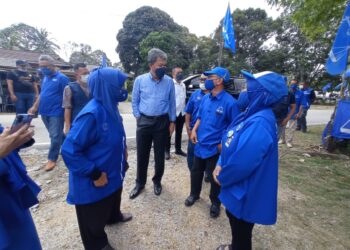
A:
76, 95
180, 98
154, 107
216, 112
191, 116
49, 104
22, 87
306, 101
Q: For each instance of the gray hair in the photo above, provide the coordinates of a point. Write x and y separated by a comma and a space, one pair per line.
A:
154, 54
47, 58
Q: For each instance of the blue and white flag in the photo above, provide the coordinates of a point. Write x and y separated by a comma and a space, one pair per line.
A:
227, 31
338, 57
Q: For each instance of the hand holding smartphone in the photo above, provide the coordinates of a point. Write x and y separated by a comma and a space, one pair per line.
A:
20, 121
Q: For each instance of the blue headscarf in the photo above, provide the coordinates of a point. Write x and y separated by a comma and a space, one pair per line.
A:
263, 90
105, 86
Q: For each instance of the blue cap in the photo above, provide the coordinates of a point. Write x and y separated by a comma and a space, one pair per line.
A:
220, 72
21, 62
271, 81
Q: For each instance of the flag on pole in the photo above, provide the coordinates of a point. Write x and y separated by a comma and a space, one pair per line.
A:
227, 31
104, 61
338, 57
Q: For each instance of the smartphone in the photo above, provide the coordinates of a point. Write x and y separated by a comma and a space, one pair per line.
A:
20, 120
345, 128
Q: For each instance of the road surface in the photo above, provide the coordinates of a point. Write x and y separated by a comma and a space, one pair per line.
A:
317, 116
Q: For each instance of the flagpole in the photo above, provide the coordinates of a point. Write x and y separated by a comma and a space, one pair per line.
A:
220, 52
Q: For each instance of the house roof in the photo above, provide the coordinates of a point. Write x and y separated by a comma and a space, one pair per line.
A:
8, 58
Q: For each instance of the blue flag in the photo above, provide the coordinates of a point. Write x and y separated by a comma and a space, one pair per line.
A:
227, 31
338, 57
104, 61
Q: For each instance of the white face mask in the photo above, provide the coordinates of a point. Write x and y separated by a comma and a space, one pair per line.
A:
202, 86
301, 86
84, 78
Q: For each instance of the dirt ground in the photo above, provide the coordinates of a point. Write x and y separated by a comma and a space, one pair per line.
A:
306, 219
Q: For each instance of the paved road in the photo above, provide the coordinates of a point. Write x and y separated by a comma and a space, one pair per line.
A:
315, 117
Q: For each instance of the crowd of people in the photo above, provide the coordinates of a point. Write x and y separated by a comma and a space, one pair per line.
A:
233, 144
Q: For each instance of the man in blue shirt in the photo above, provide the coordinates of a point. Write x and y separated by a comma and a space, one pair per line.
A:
298, 110
308, 98
216, 112
154, 107
50, 108
191, 116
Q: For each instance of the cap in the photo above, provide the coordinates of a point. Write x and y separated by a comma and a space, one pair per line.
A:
21, 62
271, 81
220, 72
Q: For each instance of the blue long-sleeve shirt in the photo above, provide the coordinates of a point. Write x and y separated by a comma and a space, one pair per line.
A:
153, 98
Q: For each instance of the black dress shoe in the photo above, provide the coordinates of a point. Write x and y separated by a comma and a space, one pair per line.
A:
157, 188
167, 155
135, 192
190, 200
214, 211
180, 152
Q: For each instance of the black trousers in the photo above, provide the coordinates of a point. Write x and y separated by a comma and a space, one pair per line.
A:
93, 217
156, 130
179, 124
199, 166
241, 233
302, 125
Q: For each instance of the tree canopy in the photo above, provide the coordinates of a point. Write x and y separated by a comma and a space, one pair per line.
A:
24, 37
315, 18
83, 53
137, 25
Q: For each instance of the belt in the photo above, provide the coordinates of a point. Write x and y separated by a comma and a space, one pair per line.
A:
155, 117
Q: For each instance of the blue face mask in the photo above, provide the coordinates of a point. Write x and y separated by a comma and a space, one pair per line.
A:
179, 77
243, 101
119, 95
46, 71
160, 72
209, 84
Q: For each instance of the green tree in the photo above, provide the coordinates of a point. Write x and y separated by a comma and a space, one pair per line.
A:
83, 53
137, 25
178, 47
205, 55
24, 37
304, 59
252, 29
316, 18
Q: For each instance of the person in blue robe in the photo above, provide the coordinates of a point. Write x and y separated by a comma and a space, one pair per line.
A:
247, 169
95, 154
18, 193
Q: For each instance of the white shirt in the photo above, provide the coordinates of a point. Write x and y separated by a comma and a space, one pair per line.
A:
180, 97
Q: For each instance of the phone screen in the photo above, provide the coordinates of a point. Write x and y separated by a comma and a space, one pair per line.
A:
20, 120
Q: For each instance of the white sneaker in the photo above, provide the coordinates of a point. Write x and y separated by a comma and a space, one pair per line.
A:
289, 145
281, 142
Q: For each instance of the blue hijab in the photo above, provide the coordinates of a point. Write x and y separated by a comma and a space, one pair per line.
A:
106, 87
263, 90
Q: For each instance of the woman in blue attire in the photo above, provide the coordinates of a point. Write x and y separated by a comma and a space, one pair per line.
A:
247, 169
95, 154
17, 192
